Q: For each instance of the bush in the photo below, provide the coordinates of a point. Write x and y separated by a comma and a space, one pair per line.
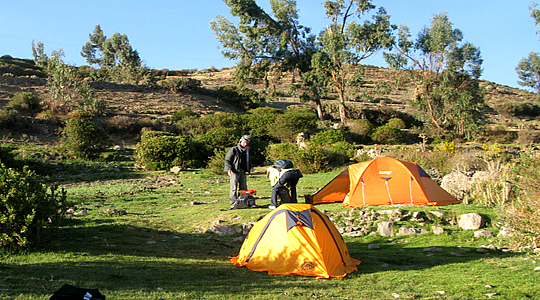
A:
240, 97
327, 137
164, 151
388, 135
24, 101
287, 126
518, 109
82, 138
8, 116
396, 123
178, 84
183, 114
27, 207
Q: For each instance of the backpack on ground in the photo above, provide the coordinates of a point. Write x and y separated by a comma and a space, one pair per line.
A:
246, 199
69, 292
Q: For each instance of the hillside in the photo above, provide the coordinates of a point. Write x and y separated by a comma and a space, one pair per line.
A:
154, 102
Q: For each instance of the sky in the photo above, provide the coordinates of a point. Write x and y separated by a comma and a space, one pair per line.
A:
176, 34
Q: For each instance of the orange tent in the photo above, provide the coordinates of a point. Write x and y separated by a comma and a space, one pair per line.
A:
383, 181
296, 239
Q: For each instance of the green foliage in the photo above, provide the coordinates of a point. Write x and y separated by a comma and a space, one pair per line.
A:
327, 137
8, 116
24, 101
518, 109
83, 138
396, 123
388, 135
346, 42
360, 129
528, 70
163, 151
178, 84
67, 91
447, 88
240, 97
27, 207
287, 126
184, 114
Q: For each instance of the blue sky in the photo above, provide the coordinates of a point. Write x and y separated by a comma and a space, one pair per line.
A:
175, 34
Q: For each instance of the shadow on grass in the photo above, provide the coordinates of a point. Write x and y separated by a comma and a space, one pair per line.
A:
121, 259
394, 255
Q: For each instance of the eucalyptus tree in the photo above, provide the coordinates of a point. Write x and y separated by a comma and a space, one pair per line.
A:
347, 42
446, 73
528, 68
115, 56
266, 44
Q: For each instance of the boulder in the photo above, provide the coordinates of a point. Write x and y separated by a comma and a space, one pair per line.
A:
385, 229
410, 231
471, 221
437, 229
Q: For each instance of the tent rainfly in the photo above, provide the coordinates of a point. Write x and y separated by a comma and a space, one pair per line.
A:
296, 239
383, 181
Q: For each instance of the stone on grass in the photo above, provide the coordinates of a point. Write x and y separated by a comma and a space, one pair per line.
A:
385, 229
483, 233
437, 229
409, 231
471, 221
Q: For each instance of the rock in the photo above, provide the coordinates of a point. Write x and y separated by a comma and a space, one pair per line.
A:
483, 233
196, 203
385, 229
239, 239
437, 214
246, 227
505, 232
224, 230
456, 254
471, 221
433, 249
373, 246
409, 231
176, 169
354, 233
437, 229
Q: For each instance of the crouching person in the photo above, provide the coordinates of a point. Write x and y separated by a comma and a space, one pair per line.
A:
283, 178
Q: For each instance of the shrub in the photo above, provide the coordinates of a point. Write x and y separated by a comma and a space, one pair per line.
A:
8, 116
27, 207
164, 151
82, 138
178, 84
518, 109
240, 97
327, 137
396, 123
287, 126
24, 101
183, 114
388, 135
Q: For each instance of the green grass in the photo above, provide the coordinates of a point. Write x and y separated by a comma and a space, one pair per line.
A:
156, 252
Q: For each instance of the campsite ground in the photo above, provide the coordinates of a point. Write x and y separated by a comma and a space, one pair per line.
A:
144, 238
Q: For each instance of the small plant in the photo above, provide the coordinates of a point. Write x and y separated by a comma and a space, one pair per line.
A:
24, 101
183, 114
28, 207
446, 147
8, 116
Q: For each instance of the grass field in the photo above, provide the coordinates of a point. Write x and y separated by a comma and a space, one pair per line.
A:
157, 249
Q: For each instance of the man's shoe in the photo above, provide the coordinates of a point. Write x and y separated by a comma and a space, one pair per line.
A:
272, 207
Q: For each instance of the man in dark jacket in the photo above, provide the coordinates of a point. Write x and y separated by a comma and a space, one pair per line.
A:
237, 163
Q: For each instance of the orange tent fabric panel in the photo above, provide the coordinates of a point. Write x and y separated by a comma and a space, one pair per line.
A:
296, 239
335, 191
385, 181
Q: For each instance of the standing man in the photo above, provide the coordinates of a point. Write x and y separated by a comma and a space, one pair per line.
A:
237, 163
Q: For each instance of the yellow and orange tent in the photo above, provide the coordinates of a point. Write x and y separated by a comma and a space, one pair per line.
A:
383, 181
296, 239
